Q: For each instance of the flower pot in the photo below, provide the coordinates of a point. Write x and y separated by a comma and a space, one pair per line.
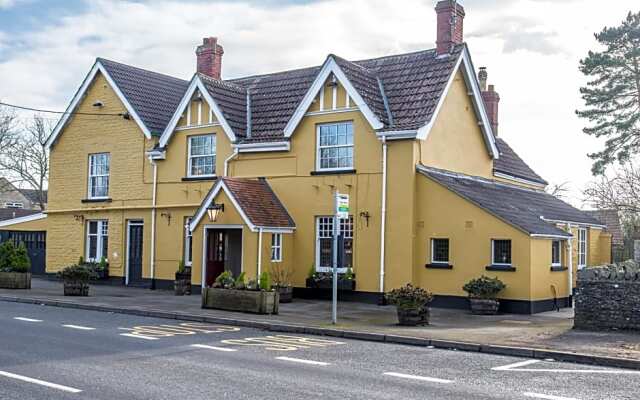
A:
343, 284
252, 301
15, 280
182, 287
413, 316
286, 294
484, 306
72, 288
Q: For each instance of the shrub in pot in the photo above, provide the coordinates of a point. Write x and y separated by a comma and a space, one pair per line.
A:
483, 293
282, 282
14, 266
75, 279
182, 282
232, 294
412, 304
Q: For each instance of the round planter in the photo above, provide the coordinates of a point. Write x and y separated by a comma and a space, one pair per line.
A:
286, 294
76, 289
413, 316
484, 306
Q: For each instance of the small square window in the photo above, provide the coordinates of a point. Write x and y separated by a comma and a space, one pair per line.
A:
440, 251
501, 252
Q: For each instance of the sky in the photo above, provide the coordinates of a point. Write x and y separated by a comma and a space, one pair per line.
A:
531, 49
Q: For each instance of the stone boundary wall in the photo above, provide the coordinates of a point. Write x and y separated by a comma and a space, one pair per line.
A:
608, 297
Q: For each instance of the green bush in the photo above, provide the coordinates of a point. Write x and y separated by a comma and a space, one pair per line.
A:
239, 283
265, 281
484, 287
225, 280
348, 275
14, 259
77, 273
103, 264
181, 267
409, 297
21, 261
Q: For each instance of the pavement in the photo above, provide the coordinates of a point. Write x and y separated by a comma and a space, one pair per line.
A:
546, 331
61, 353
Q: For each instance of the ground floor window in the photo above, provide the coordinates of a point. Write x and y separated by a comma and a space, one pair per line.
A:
276, 247
556, 255
440, 251
582, 248
97, 240
324, 243
187, 243
501, 252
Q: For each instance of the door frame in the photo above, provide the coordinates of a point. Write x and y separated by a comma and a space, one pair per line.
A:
203, 265
131, 222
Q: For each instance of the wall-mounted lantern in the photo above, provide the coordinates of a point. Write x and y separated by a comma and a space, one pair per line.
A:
214, 211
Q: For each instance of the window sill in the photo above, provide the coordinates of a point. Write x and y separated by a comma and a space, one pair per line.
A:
557, 268
439, 266
102, 200
199, 178
334, 172
508, 268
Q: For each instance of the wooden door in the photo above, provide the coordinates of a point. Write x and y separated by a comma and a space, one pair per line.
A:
216, 254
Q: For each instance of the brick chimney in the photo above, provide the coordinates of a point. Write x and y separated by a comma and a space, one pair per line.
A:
491, 99
209, 55
450, 18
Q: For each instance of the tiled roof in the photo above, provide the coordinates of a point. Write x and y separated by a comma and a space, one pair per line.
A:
10, 213
518, 206
259, 203
232, 101
154, 96
511, 164
33, 195
611, 219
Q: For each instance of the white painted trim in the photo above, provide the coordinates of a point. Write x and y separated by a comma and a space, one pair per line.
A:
398, 135
517, 179
278, 246
334, 97
559, 263
352, 145
432, 261
200, 113
321, 100
259, 147
586, 247
189, 113
214, 155
550, 236
196, 83
471, 81
493, 253
19, 220
559, 221
336, 111
187, 128
347, 100
330, 66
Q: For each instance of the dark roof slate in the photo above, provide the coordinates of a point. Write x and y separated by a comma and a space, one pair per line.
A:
10, 213
259, 203
518, 206
232, 101
611, 219
511, 164
154, 96
33, 196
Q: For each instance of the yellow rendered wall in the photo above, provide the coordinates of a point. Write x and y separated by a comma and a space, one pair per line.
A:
37, 225
196, 113
456, 142
327, 103
544, 281
441, 213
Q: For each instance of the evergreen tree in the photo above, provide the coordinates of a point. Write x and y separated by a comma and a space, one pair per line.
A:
612, 95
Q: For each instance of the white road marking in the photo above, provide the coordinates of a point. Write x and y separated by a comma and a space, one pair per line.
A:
417, 377
515, 367
138, 336
204, 346
547, 396
27, 319
302, 361
39, 382
82, 328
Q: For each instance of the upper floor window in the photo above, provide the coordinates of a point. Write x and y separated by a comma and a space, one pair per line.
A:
202, 155
439, 251
556, 259
335, 146
99, 166
501, 252
97, 240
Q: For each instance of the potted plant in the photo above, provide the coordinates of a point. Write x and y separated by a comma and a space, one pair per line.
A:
232, 294
282, 282
182, 283
75, 279
412, 304
483, 294
14, 266
102, 269
324, 280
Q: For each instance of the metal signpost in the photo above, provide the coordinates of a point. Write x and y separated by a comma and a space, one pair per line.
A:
341, 212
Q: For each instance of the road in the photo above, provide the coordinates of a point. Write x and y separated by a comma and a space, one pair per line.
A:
57, 353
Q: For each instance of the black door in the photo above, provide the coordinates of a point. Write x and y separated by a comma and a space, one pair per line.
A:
134, 258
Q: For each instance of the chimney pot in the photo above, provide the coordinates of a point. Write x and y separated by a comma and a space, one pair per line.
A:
491, 100
449, 25
209, 58
482, 78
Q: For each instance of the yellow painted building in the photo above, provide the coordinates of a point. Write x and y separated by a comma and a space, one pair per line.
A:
241, 175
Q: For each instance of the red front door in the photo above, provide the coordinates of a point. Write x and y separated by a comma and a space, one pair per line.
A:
216, 248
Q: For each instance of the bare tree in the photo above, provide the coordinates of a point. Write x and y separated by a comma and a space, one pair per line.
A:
8, 127
26, 160
618, 189
558, 190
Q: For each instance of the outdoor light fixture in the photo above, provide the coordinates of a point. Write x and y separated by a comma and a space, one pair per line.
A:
214, 211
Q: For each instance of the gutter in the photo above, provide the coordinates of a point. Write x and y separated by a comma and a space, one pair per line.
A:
153, 225
383, 212
570, 279
262, 146
226, 161
259, 254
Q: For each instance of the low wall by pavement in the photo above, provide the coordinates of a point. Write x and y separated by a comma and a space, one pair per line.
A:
608, 297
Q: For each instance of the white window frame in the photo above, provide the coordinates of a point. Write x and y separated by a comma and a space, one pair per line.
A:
190, 157
90, 176
276, 247
188, 241
559, 263
582, 247
102, 231
493, 248
433, 261
14, 204
350, 228
319, 148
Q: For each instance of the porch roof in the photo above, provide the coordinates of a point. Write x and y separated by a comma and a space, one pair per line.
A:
255, 201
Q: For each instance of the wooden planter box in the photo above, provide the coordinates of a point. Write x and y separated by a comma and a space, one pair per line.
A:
250, 301
15, 280
484, 306
413, 317
328, 284
76, 288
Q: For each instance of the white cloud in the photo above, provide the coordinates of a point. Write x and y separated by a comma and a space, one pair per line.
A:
531, 48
